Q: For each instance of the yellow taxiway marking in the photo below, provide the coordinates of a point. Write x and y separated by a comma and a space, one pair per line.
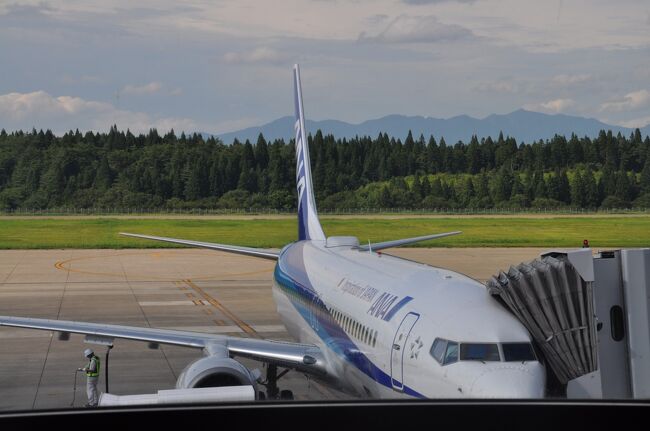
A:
219, 306
66, 265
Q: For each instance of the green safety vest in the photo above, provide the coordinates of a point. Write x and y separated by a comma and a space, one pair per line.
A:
93, 373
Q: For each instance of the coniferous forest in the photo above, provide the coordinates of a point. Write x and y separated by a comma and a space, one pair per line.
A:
39, 170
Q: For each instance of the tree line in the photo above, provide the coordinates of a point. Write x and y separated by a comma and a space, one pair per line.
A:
119, 169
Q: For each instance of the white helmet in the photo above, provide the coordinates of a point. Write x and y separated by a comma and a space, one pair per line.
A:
88, 353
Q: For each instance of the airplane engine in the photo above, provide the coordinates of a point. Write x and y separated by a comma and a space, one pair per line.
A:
214, 371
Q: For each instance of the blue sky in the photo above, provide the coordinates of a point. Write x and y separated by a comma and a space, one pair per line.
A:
221, 65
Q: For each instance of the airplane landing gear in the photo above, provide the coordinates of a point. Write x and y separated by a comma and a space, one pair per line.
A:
271, 383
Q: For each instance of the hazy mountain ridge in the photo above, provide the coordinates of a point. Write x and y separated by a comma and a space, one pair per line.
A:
524, 125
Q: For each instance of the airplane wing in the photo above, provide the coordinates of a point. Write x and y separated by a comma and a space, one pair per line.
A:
401, 242
303, 357
248, 251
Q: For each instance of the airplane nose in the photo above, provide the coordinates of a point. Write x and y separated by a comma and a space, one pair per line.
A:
509, 382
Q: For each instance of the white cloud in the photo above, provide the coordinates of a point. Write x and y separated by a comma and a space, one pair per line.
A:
568, 80
552, 106
151, 88
258, 55
139, 90
43, 111
343, 79
418, 29
377, 18
637, 122
631, 101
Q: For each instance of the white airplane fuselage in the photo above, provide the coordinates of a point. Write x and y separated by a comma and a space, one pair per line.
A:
376, 316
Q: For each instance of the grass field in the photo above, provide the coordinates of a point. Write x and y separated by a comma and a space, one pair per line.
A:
477, 231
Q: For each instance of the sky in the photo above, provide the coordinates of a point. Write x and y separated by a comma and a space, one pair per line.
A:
221, 65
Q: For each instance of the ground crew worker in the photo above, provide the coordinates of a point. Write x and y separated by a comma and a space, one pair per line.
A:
92, 374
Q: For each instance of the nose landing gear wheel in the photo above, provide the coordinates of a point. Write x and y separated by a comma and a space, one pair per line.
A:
271, 383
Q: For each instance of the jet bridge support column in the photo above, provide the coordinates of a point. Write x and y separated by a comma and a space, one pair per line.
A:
635, 265
622, 299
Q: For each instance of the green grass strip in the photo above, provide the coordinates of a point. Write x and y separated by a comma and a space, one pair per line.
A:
477, 232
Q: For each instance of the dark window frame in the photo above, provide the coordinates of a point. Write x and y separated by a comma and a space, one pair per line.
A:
444, 349
445, 359
495, 345
528, 343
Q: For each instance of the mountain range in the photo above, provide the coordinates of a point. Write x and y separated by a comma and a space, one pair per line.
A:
525, 126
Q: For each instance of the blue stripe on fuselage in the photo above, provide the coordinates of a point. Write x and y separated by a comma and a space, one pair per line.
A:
396, 308
316, 314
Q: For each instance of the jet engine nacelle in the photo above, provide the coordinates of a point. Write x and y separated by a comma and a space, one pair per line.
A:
214, 371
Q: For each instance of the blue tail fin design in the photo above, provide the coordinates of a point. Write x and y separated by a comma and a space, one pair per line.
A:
309, 227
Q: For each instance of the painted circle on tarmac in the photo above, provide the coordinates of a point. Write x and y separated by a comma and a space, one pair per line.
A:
158, 259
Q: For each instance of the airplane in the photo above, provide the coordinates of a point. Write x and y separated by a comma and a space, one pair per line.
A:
367, 323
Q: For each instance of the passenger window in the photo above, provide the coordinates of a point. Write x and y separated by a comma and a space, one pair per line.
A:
451, 354
438, 349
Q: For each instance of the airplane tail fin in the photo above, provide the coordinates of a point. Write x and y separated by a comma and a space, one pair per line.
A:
309, 227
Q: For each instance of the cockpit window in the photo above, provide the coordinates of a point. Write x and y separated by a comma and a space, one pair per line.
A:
479, 352
447, 352
444, 351
518, 352
451, 355
438, 349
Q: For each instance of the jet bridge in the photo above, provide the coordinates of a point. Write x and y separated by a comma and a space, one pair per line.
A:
589, 316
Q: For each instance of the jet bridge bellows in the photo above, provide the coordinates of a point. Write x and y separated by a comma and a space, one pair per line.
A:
555, 303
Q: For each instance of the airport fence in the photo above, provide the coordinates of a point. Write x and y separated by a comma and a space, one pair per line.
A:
135, 211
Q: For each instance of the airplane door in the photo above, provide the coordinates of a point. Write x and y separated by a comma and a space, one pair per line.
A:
397, 352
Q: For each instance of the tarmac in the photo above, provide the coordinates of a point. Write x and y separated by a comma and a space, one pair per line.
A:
184, 289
